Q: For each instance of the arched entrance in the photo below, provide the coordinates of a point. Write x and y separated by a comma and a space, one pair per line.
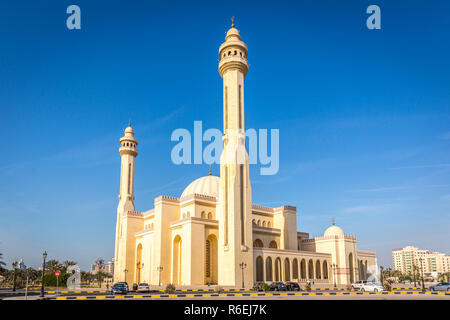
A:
295, 269
318, 270
259, 269
310, 269
303, 269
287, 270
278, 269
350, 267
269, 269
325, 269
176, 261
211, 267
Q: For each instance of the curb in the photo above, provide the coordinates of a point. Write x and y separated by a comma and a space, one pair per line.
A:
243, 295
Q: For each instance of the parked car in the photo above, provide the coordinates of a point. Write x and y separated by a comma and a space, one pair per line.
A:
371, 287
293, 286
125, 284
143, 287
442, 286
120, 288
406, 281
358, 284
278, 286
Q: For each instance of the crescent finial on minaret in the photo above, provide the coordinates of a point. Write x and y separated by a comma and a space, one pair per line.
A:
232, 21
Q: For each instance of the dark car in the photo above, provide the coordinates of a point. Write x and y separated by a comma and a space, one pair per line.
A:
278, 286
125, 284
292, 286
120, 288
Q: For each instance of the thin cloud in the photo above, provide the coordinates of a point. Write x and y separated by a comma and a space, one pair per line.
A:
439, 165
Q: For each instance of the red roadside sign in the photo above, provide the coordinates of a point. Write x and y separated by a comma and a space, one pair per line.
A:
57, 273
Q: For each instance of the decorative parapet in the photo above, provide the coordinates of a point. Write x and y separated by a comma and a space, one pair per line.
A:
302, 234
167, 199
261, 208
297, 253
144, 232
149, 213
346, 237
260, 229
197, 196
194, 220
134, 214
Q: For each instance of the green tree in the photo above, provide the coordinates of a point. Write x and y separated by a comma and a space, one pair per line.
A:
67, 264
52, 266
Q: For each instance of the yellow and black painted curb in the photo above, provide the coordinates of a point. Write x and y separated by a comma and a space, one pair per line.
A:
156, 296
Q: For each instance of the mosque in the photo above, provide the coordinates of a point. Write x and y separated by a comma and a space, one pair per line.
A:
213, 233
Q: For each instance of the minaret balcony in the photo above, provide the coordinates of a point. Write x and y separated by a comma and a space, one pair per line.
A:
233, 62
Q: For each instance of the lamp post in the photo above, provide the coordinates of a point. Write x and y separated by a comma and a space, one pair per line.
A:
381, 274
139, 266
242, 265
44, 255
421, 268
160, 269
14, 264
334, 273
125, 274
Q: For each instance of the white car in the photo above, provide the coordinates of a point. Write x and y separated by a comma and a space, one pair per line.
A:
359, 284
442, 286
143, 287
371, 287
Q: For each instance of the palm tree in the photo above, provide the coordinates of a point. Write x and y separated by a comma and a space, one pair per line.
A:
53, 265
67, 264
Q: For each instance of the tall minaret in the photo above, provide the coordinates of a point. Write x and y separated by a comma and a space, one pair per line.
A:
235, 226
128, 153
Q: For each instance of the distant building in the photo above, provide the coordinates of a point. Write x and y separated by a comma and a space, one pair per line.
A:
100, 265
432, 263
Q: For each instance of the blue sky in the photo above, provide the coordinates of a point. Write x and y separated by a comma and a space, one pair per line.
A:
363, 115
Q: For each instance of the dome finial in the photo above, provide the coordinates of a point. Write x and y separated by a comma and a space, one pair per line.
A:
210, 170
333, 222
129, 122
232, 21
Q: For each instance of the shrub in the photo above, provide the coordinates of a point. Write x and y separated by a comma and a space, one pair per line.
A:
265, 287
50, 279
170, 288
387, 286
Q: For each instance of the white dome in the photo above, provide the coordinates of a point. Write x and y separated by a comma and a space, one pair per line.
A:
334, 231
207, 185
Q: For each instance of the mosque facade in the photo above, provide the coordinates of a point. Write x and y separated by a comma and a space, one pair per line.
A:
213, 233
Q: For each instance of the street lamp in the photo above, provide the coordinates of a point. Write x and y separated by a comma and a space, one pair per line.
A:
421, 268
160, 269
381, 274
334, 266
125, 274
14, 264
139, 266
242, 265
44, 255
